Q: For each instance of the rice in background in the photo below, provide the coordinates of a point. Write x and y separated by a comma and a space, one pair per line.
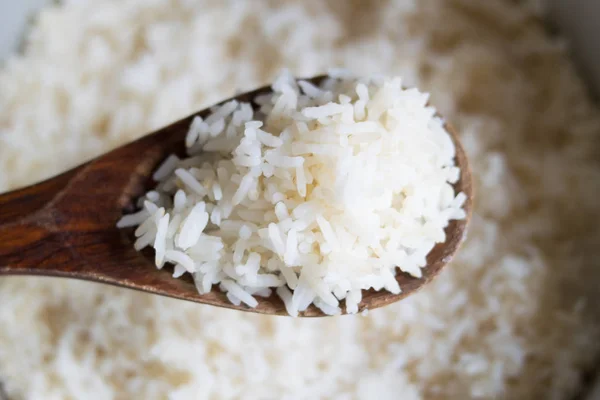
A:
512, 317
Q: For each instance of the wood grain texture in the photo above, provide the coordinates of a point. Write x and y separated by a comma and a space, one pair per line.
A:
66, 226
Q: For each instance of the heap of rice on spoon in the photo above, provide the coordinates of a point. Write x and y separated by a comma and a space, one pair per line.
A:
320, 193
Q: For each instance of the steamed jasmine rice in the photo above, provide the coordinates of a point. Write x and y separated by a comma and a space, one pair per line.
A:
512, 317
324, 191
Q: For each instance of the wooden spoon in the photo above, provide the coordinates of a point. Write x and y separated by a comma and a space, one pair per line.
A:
66, 225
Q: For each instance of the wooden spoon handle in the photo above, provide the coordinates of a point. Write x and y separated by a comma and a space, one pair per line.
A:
22, 203
66, 225
28, 234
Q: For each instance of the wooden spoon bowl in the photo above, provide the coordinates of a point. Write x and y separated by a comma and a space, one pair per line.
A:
66, 225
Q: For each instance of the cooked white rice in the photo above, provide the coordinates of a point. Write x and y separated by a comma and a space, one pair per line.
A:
513, 317
375, 194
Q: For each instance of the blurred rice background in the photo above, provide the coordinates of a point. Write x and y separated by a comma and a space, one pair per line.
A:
162, 347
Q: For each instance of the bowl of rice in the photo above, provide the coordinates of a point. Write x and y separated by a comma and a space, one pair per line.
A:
513, 316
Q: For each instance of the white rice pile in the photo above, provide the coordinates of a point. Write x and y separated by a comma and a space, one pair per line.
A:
513, 317
324, 191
